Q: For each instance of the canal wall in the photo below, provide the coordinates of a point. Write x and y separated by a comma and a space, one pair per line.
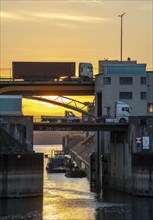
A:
125, 159
21, 170
21, 175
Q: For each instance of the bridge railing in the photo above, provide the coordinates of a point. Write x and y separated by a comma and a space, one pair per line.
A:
8, 79
38, 120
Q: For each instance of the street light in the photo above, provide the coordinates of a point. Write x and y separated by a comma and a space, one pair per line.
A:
121, 16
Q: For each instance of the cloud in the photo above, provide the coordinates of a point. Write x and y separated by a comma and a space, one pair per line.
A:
8, 15
36, 16
71, 18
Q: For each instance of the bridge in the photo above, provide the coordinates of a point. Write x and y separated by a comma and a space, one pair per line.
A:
64, 102
117, 127
50, 88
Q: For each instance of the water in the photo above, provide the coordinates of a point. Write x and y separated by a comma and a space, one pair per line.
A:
71, 199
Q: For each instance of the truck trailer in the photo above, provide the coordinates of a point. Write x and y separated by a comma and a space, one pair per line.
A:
40, 71
69, 117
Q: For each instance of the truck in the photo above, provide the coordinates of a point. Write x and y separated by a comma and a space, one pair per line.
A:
40, 71
121, 114
86, 70
69, 117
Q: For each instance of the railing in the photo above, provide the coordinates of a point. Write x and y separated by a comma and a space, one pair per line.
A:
77, 80
37, 119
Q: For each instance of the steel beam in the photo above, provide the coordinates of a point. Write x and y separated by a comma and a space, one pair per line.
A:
41, 126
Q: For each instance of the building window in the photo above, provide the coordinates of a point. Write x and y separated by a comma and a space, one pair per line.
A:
126, 80
99, 104
150, 107
106, 80
143, 80
125, 95
143, 95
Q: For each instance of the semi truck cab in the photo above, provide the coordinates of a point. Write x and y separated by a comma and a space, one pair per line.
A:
86, 70
122, 112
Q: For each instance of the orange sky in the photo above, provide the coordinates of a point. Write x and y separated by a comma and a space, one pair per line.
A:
74, 30
37, 108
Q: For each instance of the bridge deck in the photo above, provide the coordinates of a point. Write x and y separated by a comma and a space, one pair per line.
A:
47, 88
39, 126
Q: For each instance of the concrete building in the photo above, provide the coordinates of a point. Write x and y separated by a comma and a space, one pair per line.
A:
125, 159
128, 82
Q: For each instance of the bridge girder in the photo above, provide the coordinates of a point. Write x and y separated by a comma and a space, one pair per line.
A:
63, 104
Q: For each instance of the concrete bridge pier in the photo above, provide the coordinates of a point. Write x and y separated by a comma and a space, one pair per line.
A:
125, 159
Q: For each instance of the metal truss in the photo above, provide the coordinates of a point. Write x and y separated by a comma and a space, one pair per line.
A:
65, 102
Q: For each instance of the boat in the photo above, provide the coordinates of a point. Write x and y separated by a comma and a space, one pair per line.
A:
57, 162
75, 172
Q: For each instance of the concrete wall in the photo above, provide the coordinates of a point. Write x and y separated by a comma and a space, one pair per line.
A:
142, 172
21, 175
20, 128
120, 177
129, 164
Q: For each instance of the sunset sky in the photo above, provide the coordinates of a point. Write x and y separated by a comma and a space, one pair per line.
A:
75, 30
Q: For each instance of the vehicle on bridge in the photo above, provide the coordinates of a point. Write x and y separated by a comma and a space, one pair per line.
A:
69, 117
47, 71
121, 114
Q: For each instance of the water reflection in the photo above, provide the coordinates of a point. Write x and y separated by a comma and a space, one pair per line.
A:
120, 206
71, 199
68, 198
23, 208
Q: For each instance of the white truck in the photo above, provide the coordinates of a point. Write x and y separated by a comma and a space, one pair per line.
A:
69, 117
121, 114
85, 73
86, 70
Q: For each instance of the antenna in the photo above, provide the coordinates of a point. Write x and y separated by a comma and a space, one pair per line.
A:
121, 16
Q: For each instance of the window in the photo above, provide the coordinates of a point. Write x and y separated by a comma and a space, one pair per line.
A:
143, 95
126, 109
107, 80
150, 107
99, 104
125, 95
143, 80
126, 80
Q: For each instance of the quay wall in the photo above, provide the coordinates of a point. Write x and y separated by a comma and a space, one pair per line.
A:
21, 170
128, 158
21, 175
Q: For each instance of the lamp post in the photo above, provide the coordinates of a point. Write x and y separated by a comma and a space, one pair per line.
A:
121, 16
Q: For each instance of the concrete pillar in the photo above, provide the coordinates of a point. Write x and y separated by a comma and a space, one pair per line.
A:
21, 175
